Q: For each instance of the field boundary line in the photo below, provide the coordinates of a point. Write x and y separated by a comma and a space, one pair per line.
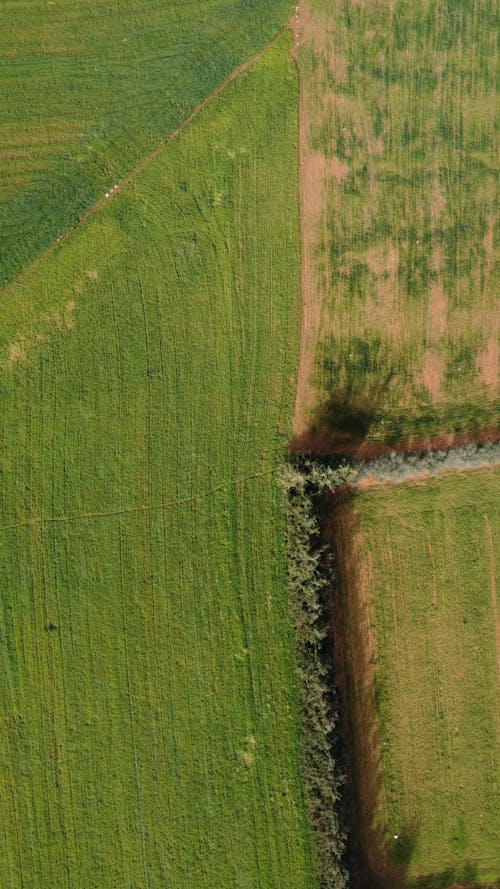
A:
127, 179
130, 510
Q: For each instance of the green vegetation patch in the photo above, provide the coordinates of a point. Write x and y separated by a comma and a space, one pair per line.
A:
418, 566
88, 88
149, 730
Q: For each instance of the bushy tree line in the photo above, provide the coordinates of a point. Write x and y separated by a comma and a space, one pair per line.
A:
397, 468
305, 483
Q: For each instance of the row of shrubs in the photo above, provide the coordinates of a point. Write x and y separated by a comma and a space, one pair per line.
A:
305, 482
397, 468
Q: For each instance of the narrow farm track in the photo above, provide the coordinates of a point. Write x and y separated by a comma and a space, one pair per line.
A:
375, 472
140, 508
126, 180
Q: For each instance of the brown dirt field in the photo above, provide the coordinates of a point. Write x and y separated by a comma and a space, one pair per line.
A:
419, 339
433, 374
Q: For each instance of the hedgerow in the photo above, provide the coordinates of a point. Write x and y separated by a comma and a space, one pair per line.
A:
305, 482
310, 577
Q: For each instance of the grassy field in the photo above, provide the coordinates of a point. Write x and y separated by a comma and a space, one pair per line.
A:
398, 177
421, 633
87, 89
149, 727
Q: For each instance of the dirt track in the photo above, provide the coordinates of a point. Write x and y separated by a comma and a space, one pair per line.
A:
312, 175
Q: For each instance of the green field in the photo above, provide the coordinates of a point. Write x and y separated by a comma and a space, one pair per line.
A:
148, 699
88, 88
420, 626
399, 193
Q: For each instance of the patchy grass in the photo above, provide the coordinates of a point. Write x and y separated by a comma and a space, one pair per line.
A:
88, 89
418, 567
149, 731
398, 206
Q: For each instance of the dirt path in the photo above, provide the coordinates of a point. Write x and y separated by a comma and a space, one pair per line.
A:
114, 190
313, 173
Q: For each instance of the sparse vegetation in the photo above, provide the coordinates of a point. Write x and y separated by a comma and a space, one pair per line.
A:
399, 208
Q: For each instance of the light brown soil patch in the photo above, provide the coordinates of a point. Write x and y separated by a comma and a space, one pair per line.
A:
488, 364
433, 374
382, 261
338, 169
437, 313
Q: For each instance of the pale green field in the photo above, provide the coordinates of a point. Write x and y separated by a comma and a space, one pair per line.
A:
422, 635
149, 727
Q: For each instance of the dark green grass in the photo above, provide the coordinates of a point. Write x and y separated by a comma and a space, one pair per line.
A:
149, 731
88, 89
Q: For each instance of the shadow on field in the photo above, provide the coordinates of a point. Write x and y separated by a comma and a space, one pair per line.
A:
342, 424
351, 422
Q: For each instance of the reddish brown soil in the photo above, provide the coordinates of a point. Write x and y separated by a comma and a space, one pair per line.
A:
488, 363
324, 442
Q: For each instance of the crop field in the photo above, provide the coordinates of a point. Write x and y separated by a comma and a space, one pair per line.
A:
148, 695
398, 194
88, 88
420, 630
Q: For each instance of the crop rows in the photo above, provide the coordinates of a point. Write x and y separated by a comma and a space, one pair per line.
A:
113, 80
149, 731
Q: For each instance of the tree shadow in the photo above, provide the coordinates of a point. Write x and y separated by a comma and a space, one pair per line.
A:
342, 423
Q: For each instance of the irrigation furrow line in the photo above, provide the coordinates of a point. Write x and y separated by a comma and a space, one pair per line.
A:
383, 470
144, 507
